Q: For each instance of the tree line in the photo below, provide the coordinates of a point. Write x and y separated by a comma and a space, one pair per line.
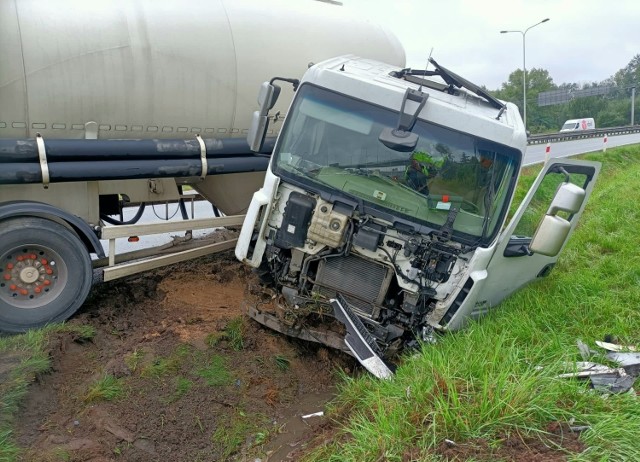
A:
610, 110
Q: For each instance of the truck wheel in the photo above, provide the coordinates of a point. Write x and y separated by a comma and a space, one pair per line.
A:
45, 273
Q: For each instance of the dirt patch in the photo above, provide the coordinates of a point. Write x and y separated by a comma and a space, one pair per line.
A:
176, 372
558, 444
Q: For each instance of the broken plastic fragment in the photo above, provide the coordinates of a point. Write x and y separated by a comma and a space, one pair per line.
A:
587, 369
607, 384
602, 378
629, 361
359, 340
615, 347
584, 350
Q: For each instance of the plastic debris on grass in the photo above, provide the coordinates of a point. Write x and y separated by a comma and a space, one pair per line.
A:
603, 378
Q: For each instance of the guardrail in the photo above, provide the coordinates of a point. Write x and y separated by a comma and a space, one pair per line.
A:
598, 133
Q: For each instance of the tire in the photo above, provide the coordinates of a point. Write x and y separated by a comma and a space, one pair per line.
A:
45, 273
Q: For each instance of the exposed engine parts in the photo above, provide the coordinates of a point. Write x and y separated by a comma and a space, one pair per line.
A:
389, 279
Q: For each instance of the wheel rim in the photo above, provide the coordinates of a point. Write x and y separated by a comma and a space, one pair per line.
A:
31, 276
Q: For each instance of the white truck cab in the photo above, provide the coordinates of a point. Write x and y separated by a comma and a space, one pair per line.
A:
384, 207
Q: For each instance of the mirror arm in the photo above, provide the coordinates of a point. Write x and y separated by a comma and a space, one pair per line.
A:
567, 177
406, 120
294, 82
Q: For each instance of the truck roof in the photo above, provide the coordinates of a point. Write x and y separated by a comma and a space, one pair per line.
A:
374, 81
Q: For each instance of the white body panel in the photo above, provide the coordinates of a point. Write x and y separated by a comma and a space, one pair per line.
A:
162, 69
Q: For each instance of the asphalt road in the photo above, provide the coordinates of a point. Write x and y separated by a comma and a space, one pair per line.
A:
536, 152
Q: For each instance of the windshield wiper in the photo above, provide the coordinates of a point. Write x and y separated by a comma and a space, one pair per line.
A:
452, 79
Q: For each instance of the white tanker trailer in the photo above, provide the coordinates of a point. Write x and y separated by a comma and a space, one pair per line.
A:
81, 81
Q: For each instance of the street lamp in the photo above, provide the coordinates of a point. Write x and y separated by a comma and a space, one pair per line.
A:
524, 66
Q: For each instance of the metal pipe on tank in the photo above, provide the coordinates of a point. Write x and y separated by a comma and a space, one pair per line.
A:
59, 172
14, 151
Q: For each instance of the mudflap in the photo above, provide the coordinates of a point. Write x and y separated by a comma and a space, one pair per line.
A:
359, 341
310, 334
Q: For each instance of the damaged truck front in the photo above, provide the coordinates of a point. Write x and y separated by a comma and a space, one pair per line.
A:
385, 202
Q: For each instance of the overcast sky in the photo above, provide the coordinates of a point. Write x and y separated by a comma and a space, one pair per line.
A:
584, 40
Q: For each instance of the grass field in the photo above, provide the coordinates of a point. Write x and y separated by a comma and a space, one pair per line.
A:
497, 377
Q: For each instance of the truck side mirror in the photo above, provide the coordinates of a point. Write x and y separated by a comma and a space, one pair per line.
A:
398, 140
568, 198
260, 121
553, 230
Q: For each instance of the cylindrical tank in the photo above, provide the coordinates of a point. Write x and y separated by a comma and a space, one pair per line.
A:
163, 69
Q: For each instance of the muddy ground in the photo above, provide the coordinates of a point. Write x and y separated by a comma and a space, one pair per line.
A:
194, 379
177, 372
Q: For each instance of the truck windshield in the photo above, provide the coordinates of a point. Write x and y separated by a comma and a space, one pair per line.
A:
330, 143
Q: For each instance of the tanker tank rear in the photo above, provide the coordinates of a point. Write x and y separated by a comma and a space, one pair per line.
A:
149, 69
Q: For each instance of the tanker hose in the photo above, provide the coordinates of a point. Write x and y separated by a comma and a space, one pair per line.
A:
133, 220
183, 209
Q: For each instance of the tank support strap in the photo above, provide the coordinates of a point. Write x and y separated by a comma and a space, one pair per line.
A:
42, 154
203, 156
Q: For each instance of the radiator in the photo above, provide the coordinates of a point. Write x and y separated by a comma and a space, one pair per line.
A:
355, 276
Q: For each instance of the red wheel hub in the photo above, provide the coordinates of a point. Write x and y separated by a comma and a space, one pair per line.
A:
28, 274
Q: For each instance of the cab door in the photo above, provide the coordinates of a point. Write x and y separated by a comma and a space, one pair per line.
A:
529, 246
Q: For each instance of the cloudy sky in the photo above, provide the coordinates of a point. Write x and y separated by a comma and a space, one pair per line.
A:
584, 40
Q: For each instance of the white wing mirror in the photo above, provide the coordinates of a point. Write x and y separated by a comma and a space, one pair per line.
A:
553, 230
260, 121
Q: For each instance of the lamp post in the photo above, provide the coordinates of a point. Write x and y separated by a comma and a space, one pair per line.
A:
524, 67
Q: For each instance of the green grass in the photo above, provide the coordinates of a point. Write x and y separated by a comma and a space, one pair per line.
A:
215, 373
166, 365
29, 356
282, 362
107, 388
233, 333
232, 434
485, 382
161, 367
132, 360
